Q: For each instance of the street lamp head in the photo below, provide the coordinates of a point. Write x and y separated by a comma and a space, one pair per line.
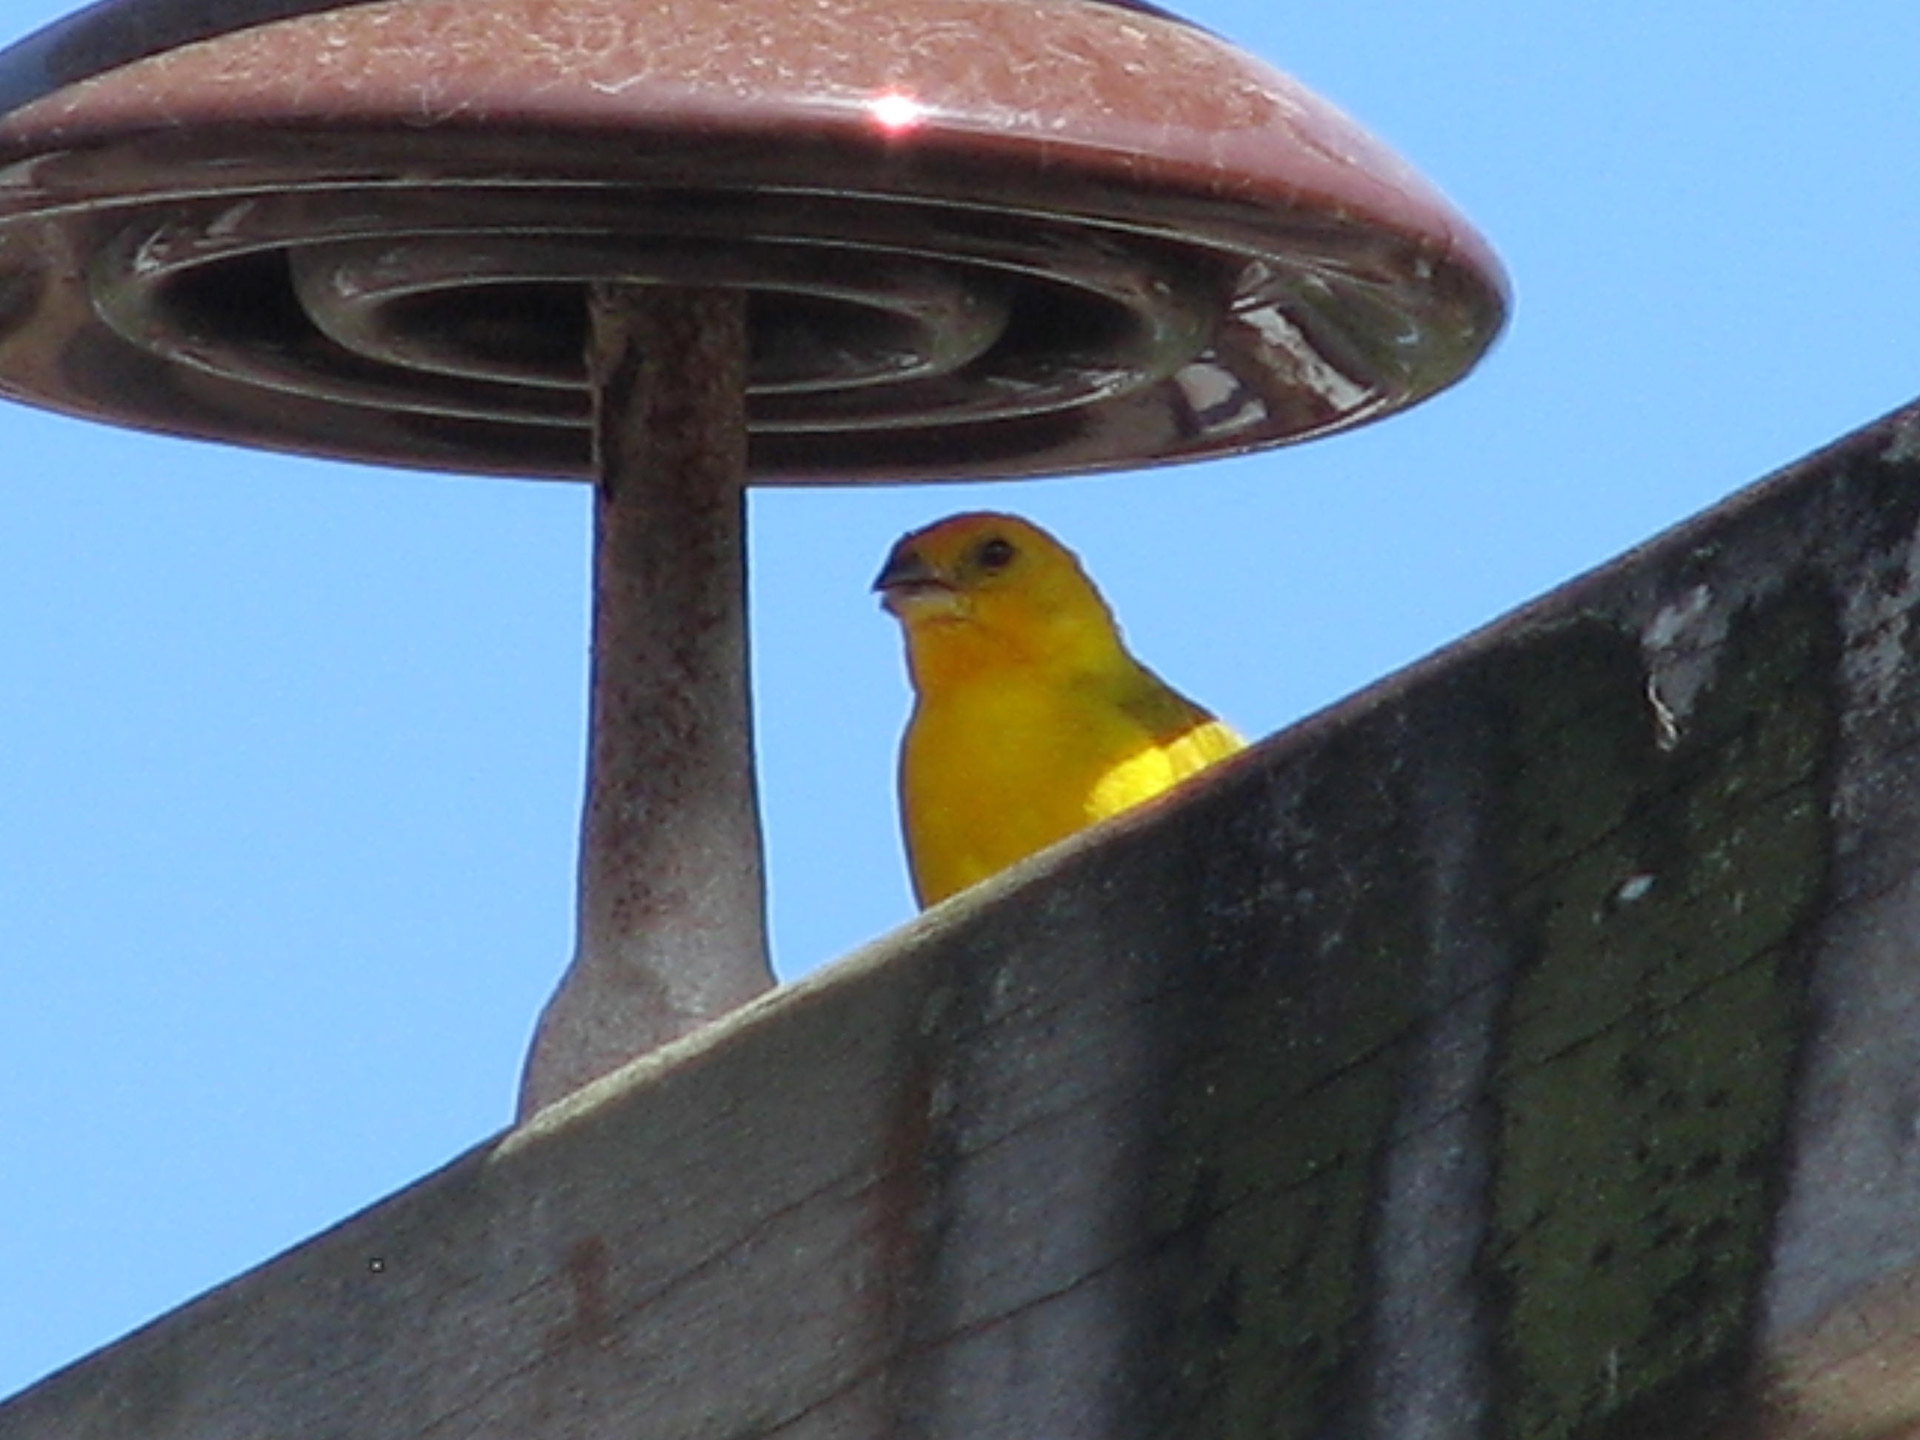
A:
979, 238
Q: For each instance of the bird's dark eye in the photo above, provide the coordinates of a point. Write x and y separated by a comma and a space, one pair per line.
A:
996, 554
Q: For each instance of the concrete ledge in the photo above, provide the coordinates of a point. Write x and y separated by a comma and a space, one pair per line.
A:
1530, 1046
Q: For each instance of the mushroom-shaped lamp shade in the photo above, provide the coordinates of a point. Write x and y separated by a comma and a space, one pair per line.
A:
982, 238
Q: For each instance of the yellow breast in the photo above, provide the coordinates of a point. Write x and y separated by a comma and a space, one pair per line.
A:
991, 774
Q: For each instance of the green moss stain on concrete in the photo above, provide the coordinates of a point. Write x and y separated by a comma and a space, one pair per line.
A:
1280, 1098
1657, 905
1655, 896
1272, 1288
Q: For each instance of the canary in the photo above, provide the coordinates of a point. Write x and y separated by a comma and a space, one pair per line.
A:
1030, 720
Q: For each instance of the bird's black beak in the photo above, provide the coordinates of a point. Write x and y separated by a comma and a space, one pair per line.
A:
904, 570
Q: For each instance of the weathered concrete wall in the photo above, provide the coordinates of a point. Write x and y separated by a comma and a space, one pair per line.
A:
1529, 1047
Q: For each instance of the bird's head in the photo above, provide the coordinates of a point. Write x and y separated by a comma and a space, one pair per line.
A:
981, 589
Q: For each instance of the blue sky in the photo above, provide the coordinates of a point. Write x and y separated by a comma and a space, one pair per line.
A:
290, 752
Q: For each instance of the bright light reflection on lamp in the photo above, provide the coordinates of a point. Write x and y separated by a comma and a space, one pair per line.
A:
894, 112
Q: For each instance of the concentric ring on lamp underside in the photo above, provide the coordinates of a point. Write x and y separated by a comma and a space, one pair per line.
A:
981, 237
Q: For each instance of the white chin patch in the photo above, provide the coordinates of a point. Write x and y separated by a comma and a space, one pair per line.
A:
922, 602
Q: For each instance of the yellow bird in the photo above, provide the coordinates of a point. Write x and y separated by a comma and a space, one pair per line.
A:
1030, 720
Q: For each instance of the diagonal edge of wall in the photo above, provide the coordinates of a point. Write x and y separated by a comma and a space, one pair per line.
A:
1527, 1046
